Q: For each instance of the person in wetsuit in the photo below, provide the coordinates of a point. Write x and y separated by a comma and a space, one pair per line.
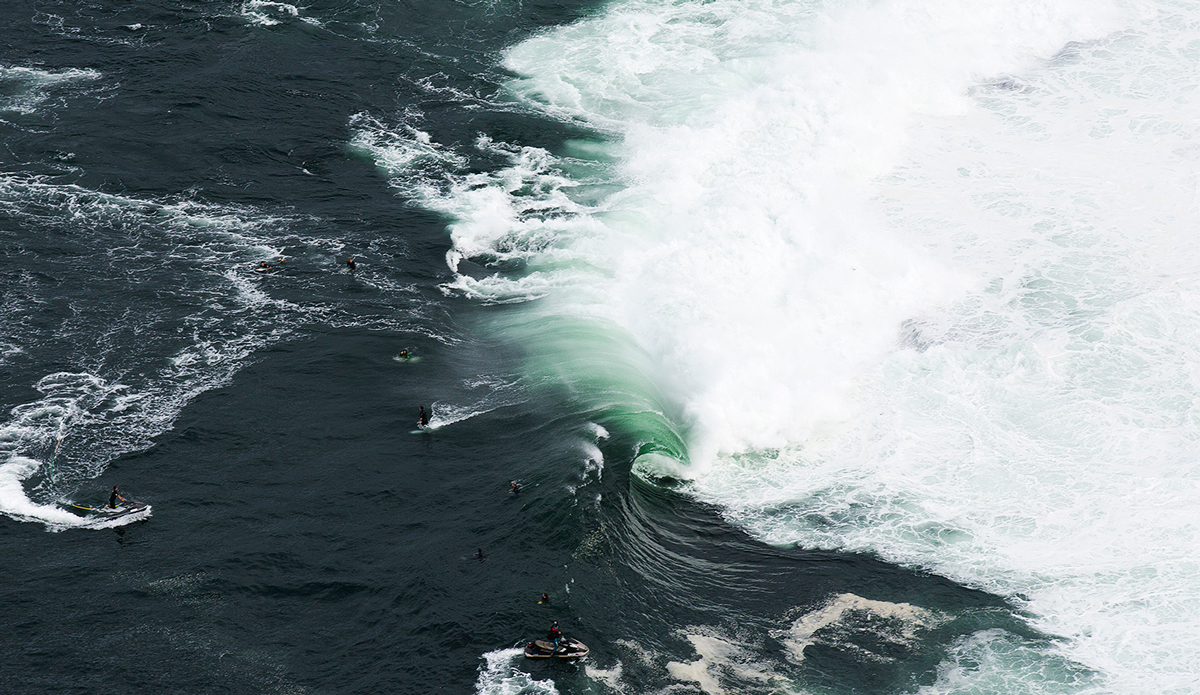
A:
112, 499
423, 420
555, 636
350, 265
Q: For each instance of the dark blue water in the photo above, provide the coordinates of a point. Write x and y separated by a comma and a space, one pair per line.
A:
305, 537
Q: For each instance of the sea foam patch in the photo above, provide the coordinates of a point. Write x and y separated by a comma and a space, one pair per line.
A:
25, 89
722, 665
899, 626
499, 675
268, 14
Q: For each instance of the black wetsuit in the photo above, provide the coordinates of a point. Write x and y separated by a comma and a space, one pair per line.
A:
424, 416
112, 500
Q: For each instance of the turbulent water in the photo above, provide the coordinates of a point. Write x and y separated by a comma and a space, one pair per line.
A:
835, 346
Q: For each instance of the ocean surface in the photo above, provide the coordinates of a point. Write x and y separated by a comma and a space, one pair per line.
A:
835, 346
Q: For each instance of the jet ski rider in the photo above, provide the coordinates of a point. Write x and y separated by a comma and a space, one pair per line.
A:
554, 636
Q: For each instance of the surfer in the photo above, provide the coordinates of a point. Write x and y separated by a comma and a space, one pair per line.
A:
404, 354
545, 598
112, 499
350, 264
516, 490
479, 554
423, 420
262, 267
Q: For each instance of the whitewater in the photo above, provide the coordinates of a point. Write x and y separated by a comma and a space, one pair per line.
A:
913, 279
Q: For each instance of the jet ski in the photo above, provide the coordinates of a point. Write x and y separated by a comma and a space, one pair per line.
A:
568, 648
129, 508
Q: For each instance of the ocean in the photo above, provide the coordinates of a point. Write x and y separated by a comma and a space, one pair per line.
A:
833, 346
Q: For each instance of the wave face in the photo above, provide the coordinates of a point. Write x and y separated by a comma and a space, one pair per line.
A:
906, 278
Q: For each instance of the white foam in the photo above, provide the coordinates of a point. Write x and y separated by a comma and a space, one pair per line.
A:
34, 86
905, 622
499, 675
593, 459
720, 660
15, 504
610, 677
399, 151
269, 14
517, 213
494, 393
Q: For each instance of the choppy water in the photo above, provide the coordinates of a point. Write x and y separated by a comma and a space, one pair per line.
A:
838, 347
